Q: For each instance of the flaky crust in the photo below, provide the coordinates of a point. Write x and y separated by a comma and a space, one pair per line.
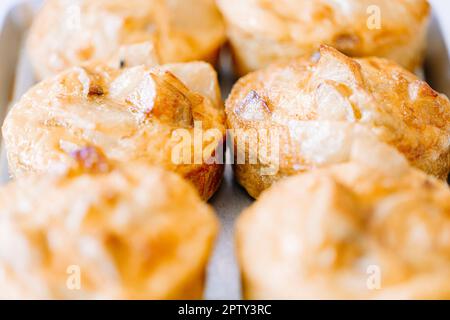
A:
266, 31
132, 232
348, 232
137, 113
319, 106
65, 34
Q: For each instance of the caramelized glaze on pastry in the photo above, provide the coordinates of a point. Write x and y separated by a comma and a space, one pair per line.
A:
317, 104
136, 113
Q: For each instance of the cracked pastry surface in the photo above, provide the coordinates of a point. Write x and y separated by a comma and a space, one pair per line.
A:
348, 231
147, 113
266, 31
130, 232
316, 108
68, 33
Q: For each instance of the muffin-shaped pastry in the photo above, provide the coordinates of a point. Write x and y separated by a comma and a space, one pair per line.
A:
265, 31
349, 231
169, 116
127, 232
67, 33
301, 115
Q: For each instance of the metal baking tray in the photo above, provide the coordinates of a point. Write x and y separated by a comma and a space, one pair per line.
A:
223, 278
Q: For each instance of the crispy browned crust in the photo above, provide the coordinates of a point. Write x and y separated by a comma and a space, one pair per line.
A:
208, 177
332, 97
128, 114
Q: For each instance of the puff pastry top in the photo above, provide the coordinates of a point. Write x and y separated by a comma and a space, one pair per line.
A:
349, 231
130, 114
68, 33
301, 26
131, 232
316, 103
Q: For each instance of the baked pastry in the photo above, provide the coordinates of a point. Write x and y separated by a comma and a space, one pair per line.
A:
170, 116
266, 31
66, 34
349, 231
310, 108
102, 232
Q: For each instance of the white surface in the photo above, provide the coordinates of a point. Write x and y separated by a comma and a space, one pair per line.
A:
442, 9
4, 5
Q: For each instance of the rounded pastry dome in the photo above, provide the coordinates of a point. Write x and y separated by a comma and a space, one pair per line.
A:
68, 33
348, 231
148, 113
104, 232
266, 31
315, 107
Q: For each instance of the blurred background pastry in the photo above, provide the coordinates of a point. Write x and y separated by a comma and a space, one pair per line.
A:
146, 113
68, 33
100, 232
350, 231
304, 115
266, 31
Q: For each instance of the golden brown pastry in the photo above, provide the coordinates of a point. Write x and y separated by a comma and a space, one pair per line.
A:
127, 232
349, 231
316, 105
67, 33
265, 31
137, 113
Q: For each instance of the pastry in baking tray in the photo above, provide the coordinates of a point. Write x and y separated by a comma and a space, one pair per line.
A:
264, 31
295, 116
69, 33
104, 232
170, 116
349, 231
